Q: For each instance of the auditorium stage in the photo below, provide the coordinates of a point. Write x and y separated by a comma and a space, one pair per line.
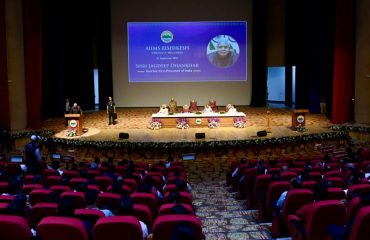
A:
134, 121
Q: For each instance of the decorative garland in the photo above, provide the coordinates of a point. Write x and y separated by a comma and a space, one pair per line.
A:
350, 128
337, 134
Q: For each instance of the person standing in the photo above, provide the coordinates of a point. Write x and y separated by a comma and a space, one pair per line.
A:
75, 109
67, 109
33, 156
111, 110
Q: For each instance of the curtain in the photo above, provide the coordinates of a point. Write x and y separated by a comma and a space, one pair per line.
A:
32, 60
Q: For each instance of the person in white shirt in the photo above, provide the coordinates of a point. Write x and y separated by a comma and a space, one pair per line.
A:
163, 109
230, 108
207, 109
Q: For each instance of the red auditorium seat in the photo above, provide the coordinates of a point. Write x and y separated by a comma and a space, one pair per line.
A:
131, 183
274, 191
14, 227
77, 197
39, 195
353, 207
172, 179
166, 209
6, 198
169, 188
260, 188
246, 189
314, 176
314, 218
287, 176
49, 172
92, 173
29, 179
103, 182
335, 193
309, 185
41, 210
295, 199
360, 228
59, 189
108, 199
74, 182
53, 180
144, 214
148, 199
359, 189
91, 215
3, 206
29, 187
62, 228
335, 181
3, 187
334, 173
164, 226
70, 174
117, 228
185, 197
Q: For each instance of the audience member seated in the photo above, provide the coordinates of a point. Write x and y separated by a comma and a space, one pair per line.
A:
296, 184
91, 198
230, 108
213, 105
183, 231
126, 208
185, 109
207, 109
163, 109
193, 106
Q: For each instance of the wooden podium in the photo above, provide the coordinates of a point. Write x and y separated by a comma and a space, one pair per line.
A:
299, 117
74, 123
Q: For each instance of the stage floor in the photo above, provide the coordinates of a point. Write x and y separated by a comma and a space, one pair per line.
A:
134, 121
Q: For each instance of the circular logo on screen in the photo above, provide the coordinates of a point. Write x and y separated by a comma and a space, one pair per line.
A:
198, 121
223, 51
73, 123
166, 36
300, 118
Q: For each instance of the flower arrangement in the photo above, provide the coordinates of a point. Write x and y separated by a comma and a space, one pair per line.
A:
71, 133
182, 123
213, 122
155, 124
240, 122
300, 128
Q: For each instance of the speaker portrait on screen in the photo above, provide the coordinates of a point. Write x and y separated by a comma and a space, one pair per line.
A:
223, 51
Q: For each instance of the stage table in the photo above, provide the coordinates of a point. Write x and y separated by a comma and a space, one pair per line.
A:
198, 120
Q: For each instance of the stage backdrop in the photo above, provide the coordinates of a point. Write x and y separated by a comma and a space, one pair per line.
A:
132, 88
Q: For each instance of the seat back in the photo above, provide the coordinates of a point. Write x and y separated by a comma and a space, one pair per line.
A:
61, 228
185, 197
14, 227
38, 196
108, 200
320, 214
148, 199
273, 193
360, 229
103, 182
359, 189
144, 214
117, 228
294, 200
77, 197
165, 225
91, 215
166, 209
41, 210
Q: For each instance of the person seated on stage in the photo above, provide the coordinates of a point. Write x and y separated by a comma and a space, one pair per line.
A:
185, 109
76, 109
163, 109
173, 106
207, 109
212, 104
230, 108
193, 106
